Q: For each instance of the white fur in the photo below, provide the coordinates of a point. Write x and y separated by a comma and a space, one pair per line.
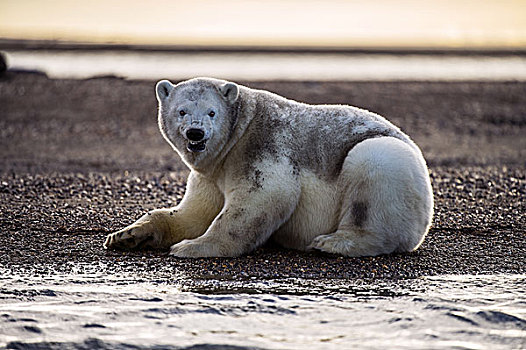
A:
273, 167
392, 178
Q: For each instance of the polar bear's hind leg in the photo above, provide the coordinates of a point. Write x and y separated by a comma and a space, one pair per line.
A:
387, 200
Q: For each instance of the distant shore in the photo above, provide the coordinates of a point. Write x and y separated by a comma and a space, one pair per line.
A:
22, 44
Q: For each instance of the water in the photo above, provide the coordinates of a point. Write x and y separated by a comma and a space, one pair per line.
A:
123, 312
261, 66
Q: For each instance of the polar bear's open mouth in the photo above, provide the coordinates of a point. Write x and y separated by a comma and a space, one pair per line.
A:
196, 146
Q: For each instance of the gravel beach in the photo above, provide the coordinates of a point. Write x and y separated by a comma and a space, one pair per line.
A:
82, 158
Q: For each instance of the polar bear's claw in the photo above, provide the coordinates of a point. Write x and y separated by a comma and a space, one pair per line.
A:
123, 239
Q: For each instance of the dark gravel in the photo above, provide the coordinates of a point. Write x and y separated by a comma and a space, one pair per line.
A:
79, 159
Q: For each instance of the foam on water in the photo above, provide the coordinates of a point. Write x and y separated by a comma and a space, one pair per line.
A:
85, 311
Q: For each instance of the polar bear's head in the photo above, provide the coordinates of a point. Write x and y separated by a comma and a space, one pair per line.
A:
197, 116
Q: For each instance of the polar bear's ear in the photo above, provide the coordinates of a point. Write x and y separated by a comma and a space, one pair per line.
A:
163, 89
230, 92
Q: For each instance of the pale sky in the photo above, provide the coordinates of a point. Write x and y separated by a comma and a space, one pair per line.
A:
364, 23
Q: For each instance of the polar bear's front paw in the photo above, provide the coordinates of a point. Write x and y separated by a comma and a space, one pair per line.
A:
195, 248
127, 238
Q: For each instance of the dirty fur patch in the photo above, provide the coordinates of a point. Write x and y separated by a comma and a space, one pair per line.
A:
359, 213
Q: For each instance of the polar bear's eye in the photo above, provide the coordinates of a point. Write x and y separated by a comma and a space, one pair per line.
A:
182, 113
212, 113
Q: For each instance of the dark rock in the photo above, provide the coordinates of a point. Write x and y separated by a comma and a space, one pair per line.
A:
3, 63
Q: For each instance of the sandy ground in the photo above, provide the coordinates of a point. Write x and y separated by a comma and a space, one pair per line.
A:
82, 158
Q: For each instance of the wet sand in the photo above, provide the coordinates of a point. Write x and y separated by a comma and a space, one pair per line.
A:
82, 158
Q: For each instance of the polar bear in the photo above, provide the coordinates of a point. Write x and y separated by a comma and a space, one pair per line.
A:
333, 178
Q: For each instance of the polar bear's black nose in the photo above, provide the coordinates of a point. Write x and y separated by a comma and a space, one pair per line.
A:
195, 134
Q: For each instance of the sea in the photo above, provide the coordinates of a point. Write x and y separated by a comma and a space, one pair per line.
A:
243, 66
101, 311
